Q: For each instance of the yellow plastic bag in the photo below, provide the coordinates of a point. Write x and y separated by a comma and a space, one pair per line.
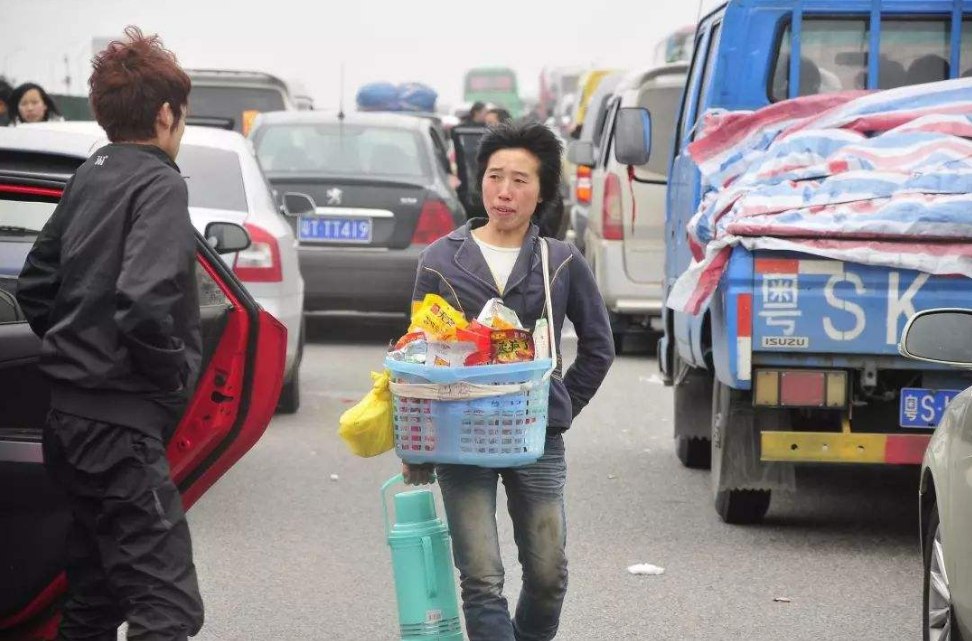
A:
438, 319
368, 428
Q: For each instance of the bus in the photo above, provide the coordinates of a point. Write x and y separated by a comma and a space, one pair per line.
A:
494, 85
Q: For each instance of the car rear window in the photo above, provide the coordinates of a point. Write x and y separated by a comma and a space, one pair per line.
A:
342, 149
232, 102
834, 54
214, 177
16, 215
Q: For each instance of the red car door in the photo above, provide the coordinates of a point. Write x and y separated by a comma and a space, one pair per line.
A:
244, 351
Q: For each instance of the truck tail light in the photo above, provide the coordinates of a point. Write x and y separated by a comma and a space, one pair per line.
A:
583, 190
260, 262
800, 388
434, 222
612, 225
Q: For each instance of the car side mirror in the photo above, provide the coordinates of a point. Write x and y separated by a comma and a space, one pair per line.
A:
296, 204
942, 336
227, 238
632, 136
580, 152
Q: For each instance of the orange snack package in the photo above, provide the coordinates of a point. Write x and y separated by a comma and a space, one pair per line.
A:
512, 346
480, 336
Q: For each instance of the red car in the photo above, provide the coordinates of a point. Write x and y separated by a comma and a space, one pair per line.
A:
230, 410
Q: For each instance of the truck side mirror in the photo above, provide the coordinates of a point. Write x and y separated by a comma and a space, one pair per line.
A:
632, 136
942, 336
580, 152
227, 238
295, 204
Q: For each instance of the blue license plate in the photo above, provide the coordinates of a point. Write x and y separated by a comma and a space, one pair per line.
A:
924, 407
325, 229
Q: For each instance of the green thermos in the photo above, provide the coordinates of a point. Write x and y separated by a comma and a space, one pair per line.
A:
428, 609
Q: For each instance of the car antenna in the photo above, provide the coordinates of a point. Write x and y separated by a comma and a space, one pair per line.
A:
341, 98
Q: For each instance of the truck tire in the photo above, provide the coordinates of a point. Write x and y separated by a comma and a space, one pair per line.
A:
742, 506
693, 415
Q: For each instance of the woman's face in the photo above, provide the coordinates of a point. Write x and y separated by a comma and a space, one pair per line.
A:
511, 188
32, 107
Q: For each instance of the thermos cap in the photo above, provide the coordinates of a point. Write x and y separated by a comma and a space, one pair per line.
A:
414, 507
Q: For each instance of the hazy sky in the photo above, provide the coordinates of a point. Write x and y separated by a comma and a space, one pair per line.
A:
430, 41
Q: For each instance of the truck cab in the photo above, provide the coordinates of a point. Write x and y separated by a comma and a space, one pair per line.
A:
799, 352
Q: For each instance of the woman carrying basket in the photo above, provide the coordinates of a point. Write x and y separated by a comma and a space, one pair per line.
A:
519, 171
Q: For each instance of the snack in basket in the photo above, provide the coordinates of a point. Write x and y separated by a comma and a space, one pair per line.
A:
541, 340
512, 346
438, 319
408, 338
481, 337
496, 315
415, 351
452, 354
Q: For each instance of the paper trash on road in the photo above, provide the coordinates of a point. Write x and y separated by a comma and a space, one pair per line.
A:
335, 477
782, 599
646, 569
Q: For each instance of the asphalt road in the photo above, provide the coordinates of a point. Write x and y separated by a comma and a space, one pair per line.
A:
285, 552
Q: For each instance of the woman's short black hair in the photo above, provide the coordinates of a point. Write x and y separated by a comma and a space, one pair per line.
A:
534, 138
18, 94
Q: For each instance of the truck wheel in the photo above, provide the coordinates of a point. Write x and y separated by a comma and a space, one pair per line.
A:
693, 415
738, 507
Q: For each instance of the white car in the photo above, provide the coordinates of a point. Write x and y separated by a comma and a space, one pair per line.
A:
625, 234
226, 184
942, 336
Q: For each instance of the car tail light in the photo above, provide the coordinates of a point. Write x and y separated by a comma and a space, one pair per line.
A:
801, 388
583, 190
260, 262
434, 222
613, 226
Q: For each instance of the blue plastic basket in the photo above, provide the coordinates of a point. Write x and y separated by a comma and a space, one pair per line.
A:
499, 431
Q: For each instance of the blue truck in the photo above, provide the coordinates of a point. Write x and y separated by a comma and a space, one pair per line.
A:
799, 353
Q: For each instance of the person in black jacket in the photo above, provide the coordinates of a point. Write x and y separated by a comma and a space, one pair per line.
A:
110, 288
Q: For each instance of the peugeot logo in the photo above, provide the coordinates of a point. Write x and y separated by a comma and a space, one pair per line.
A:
334, 196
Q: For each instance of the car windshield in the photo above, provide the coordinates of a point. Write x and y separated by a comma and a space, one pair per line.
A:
232, 102
341, 149
214, 177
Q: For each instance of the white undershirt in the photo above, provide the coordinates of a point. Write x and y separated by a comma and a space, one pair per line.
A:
500, 261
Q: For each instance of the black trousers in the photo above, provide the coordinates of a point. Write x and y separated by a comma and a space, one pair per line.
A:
129, 553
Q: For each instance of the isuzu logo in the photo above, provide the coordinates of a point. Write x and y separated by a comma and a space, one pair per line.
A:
334, 196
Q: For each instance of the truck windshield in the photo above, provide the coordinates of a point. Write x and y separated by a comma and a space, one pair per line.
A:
834, 54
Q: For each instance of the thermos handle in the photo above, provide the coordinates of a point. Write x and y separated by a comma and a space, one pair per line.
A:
384, 499
431, 584
384, 502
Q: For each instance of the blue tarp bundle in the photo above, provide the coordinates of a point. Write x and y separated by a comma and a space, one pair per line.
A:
384, 96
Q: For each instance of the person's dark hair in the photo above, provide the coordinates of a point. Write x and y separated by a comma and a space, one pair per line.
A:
5, 91
476, 108
502, 114
17, 95
535, 138
131, 81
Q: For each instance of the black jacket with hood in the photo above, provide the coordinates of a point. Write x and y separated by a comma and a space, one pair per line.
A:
110, 288
454, 267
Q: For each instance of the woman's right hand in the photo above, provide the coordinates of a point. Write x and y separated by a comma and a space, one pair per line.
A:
418, 474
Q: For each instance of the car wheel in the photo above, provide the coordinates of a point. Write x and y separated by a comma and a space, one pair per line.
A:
938, 615
289, 402
738, 507
689, 387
